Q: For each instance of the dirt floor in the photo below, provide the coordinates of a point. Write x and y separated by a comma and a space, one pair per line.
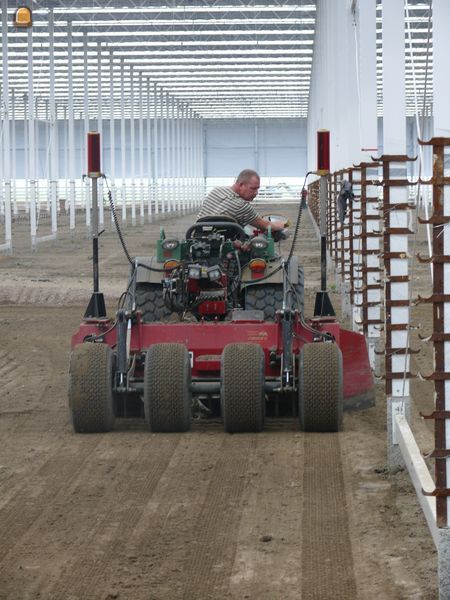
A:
278, 515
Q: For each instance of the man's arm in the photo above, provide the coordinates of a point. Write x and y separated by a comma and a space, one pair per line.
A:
261, 223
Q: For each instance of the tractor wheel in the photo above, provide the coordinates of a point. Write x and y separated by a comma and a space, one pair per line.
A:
320, 387
167, 394
149, 300
242, 388
90, 388
269, 297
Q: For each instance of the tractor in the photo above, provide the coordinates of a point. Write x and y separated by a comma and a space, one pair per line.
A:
213, 326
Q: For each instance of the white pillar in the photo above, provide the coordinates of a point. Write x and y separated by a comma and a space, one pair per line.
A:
149, 168
123, 141
6, 131
367, 52
101, 216
31, 142
87, 187
394, 143
132, 150
155, 149
112, 131
162, 152
53, 126
71, 131
13, 151
141, 151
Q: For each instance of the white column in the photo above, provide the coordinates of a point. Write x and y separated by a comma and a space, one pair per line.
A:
141, 151
101, 216
155, 149
173, 155
149, 168
13, 151
6, 128
162, 153
132, 150
53, 126
71, 132
87, 187
394, 143
112, 132
31, 142
123, 141
367, 44
394, 116
169, 180
178, 155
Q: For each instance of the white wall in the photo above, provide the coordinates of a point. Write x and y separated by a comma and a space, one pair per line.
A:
272, 147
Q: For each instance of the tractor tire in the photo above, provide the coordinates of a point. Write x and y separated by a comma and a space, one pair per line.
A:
167, 394
149, 300
320, 380
90, 388
268, 297
242, 388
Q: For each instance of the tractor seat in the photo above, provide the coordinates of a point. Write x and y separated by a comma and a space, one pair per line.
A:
217, 218
225, 224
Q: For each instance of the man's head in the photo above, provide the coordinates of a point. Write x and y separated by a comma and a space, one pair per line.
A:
246, 184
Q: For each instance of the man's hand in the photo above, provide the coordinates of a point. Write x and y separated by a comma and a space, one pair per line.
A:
242, 246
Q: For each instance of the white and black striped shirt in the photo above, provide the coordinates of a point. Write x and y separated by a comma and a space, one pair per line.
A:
223, 200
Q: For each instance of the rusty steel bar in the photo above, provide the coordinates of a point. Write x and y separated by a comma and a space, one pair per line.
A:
440, 299
371, 269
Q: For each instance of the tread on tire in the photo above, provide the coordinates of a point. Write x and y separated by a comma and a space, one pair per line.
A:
90, 388
242, 388
167, 394
320, 387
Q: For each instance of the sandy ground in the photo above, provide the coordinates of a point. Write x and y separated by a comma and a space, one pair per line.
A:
130, 514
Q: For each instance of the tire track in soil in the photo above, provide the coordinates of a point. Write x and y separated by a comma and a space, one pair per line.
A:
110, 509
268, 557
327, 562
159, 532
208, 568
11, 373
40, 493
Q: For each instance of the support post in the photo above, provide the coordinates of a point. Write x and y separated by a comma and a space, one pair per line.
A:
6, 131
96, 307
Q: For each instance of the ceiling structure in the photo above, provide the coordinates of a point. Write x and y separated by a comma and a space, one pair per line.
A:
222, 58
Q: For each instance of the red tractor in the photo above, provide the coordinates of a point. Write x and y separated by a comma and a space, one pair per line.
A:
206, 330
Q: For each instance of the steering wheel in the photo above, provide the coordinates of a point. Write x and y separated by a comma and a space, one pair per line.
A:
220, 223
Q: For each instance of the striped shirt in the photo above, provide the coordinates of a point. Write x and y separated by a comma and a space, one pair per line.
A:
223, 200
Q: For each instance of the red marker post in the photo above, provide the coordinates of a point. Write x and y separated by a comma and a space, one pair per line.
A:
323, 306
96, 307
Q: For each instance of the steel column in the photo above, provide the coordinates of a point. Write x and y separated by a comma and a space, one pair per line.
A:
6, 134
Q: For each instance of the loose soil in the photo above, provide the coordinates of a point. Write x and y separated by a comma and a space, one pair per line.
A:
200, 515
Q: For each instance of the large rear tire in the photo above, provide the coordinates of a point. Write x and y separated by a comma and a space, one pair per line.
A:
150, 301
90, 388
268, 297
167, 394
242, 388
320, 387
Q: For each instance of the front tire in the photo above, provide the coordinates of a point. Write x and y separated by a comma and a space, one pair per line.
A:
242, 388
320, 387
167, 394
90, 388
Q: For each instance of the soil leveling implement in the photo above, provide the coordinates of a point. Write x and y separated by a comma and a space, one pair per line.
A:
207, 330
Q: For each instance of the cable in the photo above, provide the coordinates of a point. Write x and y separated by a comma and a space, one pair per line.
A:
116, 222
